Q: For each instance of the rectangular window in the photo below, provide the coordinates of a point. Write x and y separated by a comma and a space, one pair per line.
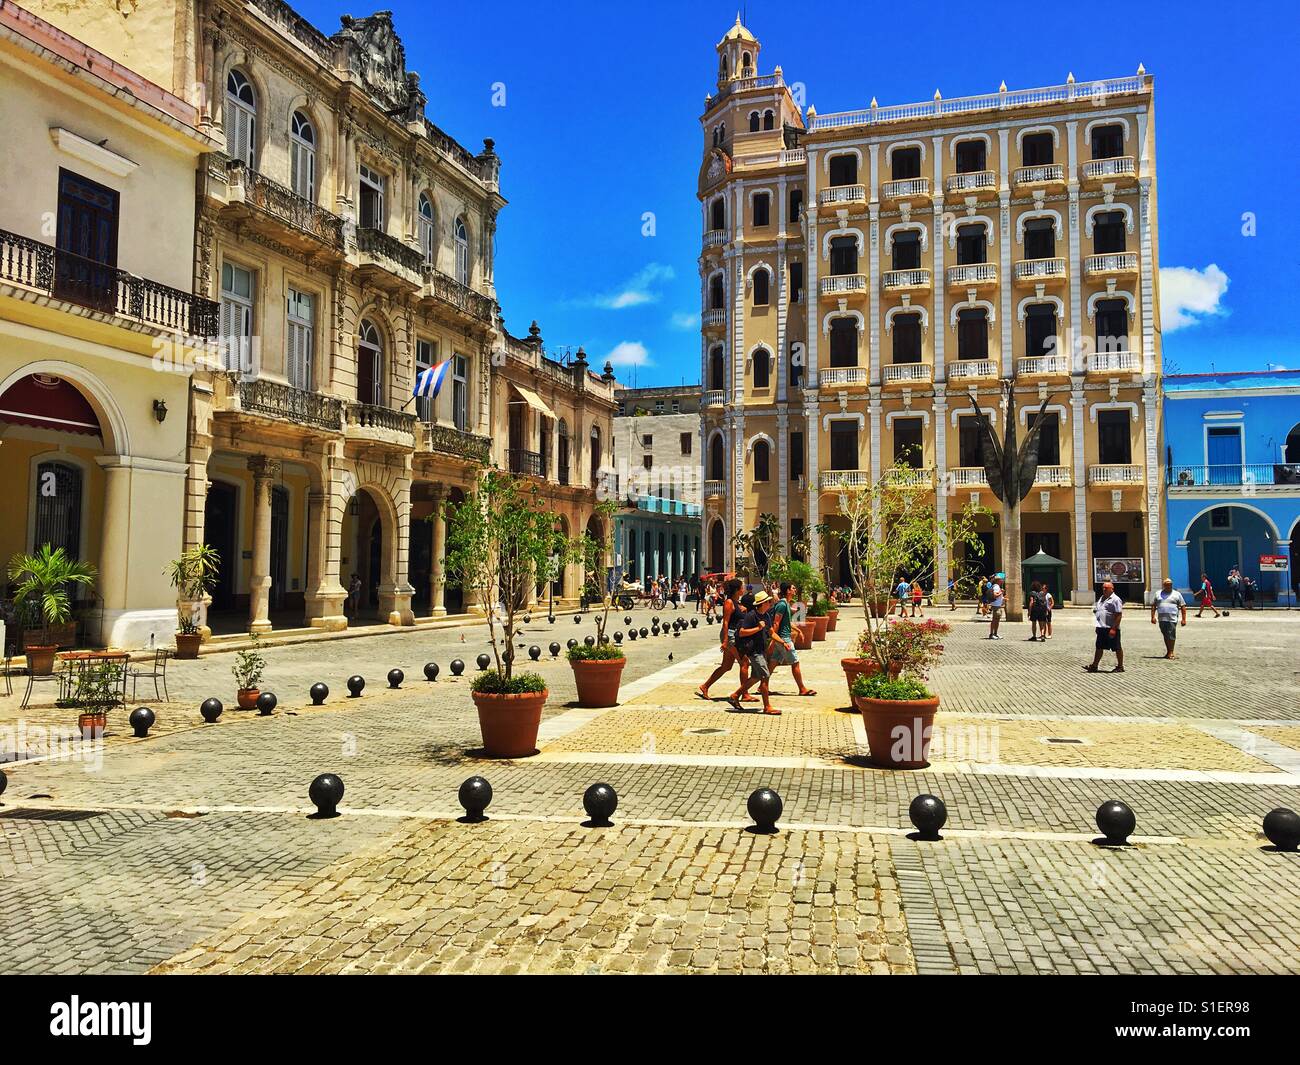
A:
300, 341
426, 356
1108, 233
236, 318
1049, 439
796, 455
844, 445
1113, 444
908, 448
972, 335
970, 157
905, 164
972, 246
688, 442
647, 441
1108, 142
1040, 239
1112, 325
844, 255
907, 338
844, 342
460, 392
796, 204
762, 209
796, 282
844, 170
795, 365
86, 260
1040, 330
907, 251
372, 198
1037, 150
648, 461
544, 445
969, 441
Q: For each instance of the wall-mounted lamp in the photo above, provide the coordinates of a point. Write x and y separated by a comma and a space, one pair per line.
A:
160, 410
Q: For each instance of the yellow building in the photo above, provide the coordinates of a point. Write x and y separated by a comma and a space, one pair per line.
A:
869, 277
96, 266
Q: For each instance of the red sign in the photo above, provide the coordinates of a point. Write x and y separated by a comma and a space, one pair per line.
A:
1273, 563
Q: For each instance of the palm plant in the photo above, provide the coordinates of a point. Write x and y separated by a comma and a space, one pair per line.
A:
43, 584
193, 575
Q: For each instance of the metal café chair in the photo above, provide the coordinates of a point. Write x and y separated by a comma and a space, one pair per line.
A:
62, 675
158, 674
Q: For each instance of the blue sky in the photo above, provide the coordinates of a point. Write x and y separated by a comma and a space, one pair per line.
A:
601, 125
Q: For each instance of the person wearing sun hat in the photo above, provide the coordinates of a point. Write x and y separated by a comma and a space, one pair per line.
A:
753, 637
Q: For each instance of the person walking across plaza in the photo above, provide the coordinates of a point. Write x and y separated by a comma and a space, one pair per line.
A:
918, 599
1037, 612
730, 618
982, 597
753, 636
1205, 596
996, 603
1236, 588
1051, 605
903, 591
783, 652
1169, 610
952, 593
1109, 612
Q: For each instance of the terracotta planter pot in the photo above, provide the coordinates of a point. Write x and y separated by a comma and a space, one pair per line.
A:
92, 724
247, 698
40, 659
819, 627
855, 668
898, 731
832, 618
509, 723
803, 635
879, 608
598, 681
187, 644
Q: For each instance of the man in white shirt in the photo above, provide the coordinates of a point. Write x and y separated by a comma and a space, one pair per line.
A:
996, 604
1109, 611
1169, 609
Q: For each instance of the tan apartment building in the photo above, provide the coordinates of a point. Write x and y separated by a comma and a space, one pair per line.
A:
868, 277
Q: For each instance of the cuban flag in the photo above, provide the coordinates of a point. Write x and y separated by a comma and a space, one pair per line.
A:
428, 383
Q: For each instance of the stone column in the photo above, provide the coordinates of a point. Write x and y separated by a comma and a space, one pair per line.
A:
325, 593
395, 597
264, 471
437, 578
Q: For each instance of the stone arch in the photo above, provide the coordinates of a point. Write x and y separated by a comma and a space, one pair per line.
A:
1112, 120
1025, 303
894, 312
1118, 294
971, 220
1039, 212
920, 227
831, 315
1234, 503
1107, 208
1024, 132
963, 138
112, 423
844, 231
889, 152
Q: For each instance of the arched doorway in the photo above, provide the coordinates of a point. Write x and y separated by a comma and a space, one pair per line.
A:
717, 546
1234, 535
220, 514
367, 561
594, 582
453, 595
557, 583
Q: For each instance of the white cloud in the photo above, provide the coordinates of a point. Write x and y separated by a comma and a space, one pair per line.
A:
684, 320
640, 288
630, 353
1188, 295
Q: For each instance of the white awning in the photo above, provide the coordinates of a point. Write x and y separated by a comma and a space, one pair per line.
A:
534, 400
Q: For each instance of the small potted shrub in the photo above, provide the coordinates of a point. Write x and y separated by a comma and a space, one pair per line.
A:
860, 662
43, 581
248, 669
819, 615
509, 711
598, 670
193, 575
899, 716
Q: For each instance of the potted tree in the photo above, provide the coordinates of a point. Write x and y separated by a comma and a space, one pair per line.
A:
499, 540
43, 581
598, 669
193, 575
99, 685
893, 529
248, 669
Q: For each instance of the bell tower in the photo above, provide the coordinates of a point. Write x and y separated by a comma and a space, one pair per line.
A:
737, 55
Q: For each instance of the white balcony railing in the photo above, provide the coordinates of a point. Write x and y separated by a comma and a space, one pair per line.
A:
1115, 473
1101, 169
1114, 362
1043, 366
832, 480
974, 182
1039, 269
794, 155
842, 194
1046, 174
715, 317
1116, 262
1052, 475
899, 279
714, 489
906, 189
835, 284
969, 476
969, 368
913, 372
973, 274
715, 238
714, 398
908, 478
839, 376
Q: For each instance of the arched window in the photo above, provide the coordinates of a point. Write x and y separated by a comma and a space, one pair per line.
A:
762, 280
718, 214
717, 369
302, 156
370, 364
972, 334
1291, 456
428, 243
753, 122
717, 462
907, 338
562, 452
241, 119
595, 455
762, 368
761, 461
746, 64
58, 507
717, 296
462, 252
769, 119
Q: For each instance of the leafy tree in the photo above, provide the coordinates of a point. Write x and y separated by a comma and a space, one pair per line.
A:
593, 554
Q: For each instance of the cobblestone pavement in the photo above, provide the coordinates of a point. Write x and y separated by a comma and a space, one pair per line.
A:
192, 850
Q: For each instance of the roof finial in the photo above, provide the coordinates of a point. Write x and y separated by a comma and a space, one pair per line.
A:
1003, 86
874, 105
937, 96
1070, 79
1141, 69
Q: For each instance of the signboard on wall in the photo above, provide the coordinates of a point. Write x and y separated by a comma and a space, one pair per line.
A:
1273, 563
1119, 570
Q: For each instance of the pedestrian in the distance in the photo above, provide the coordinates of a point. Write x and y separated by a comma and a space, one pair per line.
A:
1169, 610
1205, 596
996, 604
1051, 606
918, 599
1037, 612
1109, 612
952, 593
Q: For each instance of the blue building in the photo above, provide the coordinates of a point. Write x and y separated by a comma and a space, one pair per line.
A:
1232, 479
658, 536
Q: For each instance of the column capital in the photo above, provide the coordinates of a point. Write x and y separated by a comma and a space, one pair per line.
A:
263, 467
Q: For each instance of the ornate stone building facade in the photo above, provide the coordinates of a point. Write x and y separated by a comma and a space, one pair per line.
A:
869, 277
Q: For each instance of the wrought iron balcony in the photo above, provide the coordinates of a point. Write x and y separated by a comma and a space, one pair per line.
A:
446, 440
274, 400
528, 463
438, 286
100, 287
389, 254
282, 205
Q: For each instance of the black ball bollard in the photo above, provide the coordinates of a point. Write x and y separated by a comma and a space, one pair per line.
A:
4, 781
627, 620
929, 814
266, 702
571, 644
1281, 826
319, 693
577, 619
457, 667
356, 684
765, 808
474, 795
1116, 822
483, 661
550, 618
631, 634
644, 632
618, 637
554, 649
695, 623
600, 801
395, 678
211, 710
326, 792
430, 670
141, 721
590, 641
534, 652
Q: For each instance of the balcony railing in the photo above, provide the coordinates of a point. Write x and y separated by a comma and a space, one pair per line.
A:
100, 287
1234, 476
446, 440
714, 397
972, 274
1115, 473
715, 238
893, 280
523, 462
291, 404
1117, 262
839, 376
283, 204
389, 252
714, 318
439, 286
970, 368
1058, 476
969, 476
834, 480
1114, 362
714, 489
973, 182
838, 194
908, 373
764, 81
910, 478
1103, 169
837, 284
1044, 174
1043, 366
906, 189
372, 416
1033, 270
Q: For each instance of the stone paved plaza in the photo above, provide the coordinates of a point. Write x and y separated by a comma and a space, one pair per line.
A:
192, 850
